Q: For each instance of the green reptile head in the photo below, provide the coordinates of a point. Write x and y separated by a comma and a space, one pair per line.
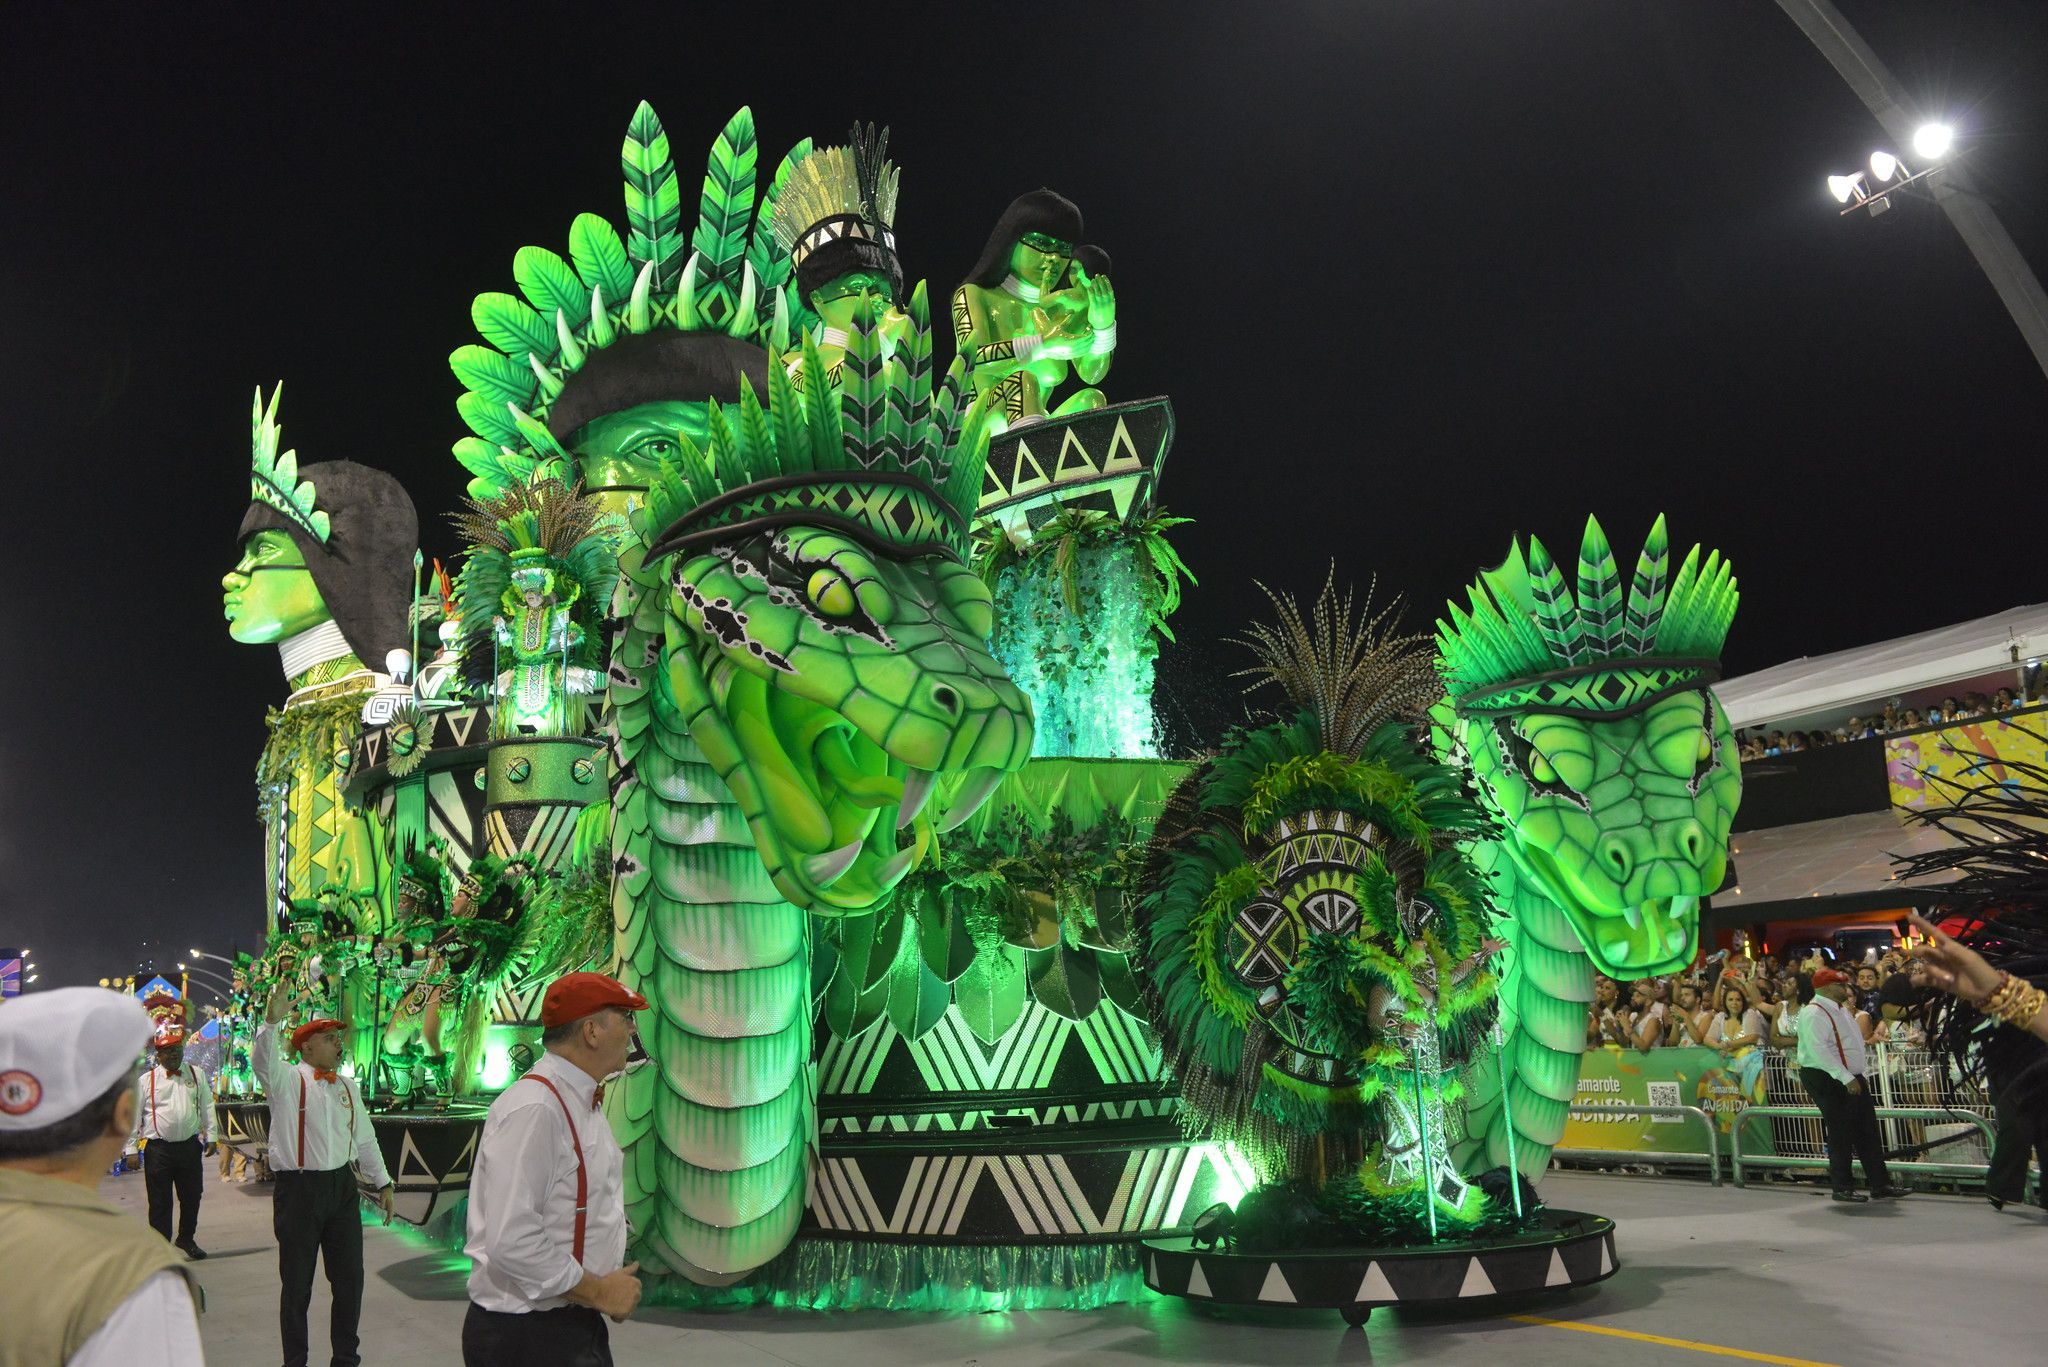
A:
825, 642
1588, 722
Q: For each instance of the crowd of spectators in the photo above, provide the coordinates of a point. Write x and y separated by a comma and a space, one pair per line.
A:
1761, 744
1736, 1004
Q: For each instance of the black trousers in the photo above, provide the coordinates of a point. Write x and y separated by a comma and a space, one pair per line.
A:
173, 1165
572, 1336
2017, 1139
318, 1216
1848, 1123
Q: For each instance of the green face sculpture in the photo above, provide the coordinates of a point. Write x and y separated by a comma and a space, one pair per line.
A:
269, 595
831, 683
1622, 822
1040, 260
853, 283
616, 456
1585, 716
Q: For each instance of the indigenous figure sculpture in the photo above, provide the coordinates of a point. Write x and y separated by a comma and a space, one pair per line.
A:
1032, 310
326, 553
1315, 938
834, 218
1588, 723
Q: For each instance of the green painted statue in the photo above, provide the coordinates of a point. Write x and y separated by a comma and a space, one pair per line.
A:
804, 658
1588, 722
1036, 308
324, 572
834, 218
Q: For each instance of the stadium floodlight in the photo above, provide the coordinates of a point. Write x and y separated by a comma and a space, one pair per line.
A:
1883, 164
1842, 187
1932, 140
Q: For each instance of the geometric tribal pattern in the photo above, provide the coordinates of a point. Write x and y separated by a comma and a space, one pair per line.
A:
1599, 691
1066, 1197
1572, 1257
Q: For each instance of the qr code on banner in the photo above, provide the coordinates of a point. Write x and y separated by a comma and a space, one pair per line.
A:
1665, 1094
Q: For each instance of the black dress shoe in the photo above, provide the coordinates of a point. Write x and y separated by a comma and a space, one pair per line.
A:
1890, 1193
1856, 1196
191, 1250
1997, 1202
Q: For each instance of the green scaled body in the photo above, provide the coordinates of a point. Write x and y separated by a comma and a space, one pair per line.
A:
1586, 718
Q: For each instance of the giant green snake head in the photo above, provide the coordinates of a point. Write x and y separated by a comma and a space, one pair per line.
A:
832, 683
1586, 718
1621, 821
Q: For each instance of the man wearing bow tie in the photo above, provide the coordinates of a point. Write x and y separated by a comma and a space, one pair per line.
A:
547, 1206
318, 1129
174, 1113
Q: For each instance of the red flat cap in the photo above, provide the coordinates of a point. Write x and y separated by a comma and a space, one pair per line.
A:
1823, 976
314, 1027
573, 996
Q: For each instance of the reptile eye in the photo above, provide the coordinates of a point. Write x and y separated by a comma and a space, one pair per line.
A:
831, 594
1532, 764
654, 448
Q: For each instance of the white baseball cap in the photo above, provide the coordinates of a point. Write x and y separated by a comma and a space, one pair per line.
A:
61, 1050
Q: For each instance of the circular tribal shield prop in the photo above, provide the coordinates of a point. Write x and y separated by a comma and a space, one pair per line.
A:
1313, 934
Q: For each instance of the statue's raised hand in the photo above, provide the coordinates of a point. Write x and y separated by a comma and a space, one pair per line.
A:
1100, 295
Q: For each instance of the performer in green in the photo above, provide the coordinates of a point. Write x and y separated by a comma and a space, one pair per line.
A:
1031, 311
835, 219
1588, 722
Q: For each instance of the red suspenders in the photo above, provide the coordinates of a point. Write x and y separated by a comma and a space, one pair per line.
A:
347, 1099
582, 1173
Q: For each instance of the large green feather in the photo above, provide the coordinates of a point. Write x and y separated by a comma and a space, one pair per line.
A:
771, 263
513, 328
864, 394
1556, 614
654, 215
910, 388
488, 419
549, 285
493, 375
1646, 593
1600, 599
727, 203
600, 260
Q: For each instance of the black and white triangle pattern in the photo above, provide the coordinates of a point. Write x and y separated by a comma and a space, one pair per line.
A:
1423, 1275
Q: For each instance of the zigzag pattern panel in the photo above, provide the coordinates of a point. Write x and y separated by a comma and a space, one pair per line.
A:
1049, 1197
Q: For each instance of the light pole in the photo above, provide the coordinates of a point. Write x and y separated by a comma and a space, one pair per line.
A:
1954, 190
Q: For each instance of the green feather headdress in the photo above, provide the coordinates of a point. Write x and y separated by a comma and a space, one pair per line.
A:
729, 281
274, 475
1528, 643
875, 454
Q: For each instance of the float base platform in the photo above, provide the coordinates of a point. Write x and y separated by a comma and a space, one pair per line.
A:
1566, 1248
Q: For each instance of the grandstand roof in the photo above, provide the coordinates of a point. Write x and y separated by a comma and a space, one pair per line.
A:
1948, 654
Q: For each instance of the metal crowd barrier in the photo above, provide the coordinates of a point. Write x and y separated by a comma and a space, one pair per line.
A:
1713, 1155
1913, 1115
1923, 1113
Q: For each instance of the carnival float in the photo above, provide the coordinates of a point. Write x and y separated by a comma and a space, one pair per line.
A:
804, 680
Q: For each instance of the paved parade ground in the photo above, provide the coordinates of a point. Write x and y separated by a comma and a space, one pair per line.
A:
1770, 1274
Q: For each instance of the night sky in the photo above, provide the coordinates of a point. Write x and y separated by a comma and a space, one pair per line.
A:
1416, 275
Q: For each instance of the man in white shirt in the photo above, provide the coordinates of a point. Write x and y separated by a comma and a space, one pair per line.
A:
318, 1128
1832, 1068
85, 1284
547, 1205
174, 1122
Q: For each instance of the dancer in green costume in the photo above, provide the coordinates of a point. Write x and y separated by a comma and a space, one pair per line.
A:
1587, 720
